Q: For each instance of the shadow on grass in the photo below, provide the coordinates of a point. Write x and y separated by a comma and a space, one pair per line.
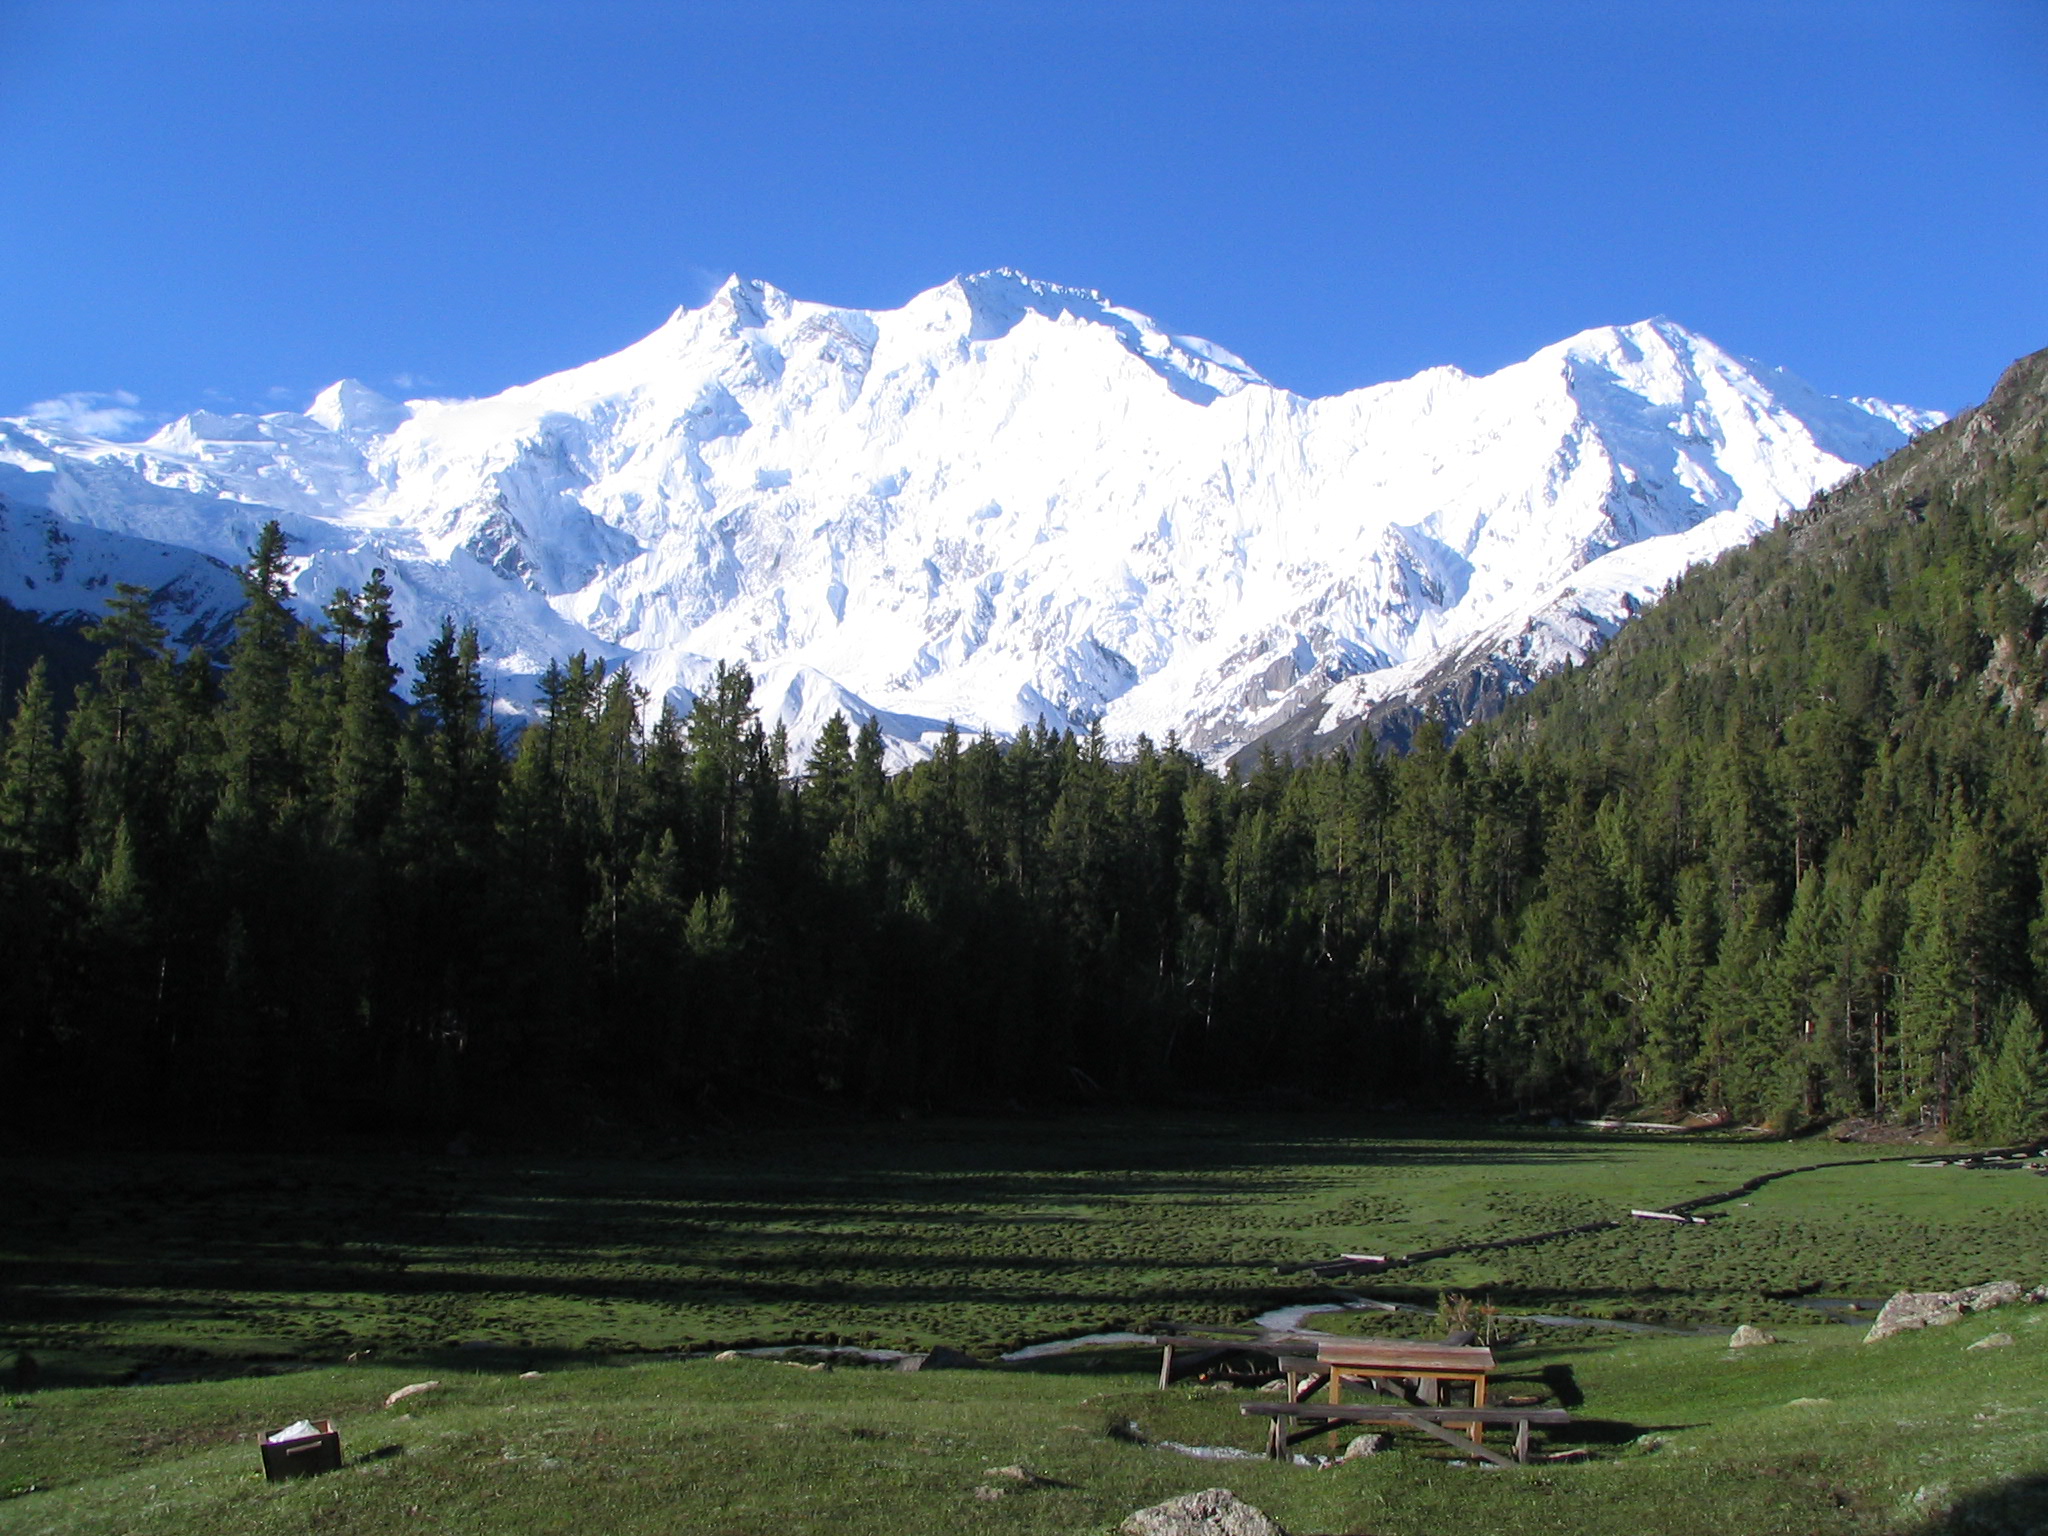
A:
311, 1258
2015, 1507
1610, 1432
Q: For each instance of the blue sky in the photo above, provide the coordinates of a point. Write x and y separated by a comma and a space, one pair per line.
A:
233, 202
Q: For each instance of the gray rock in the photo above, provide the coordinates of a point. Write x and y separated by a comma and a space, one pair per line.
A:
1212, 1512
1991, 1341
1937, 1309
1747, 1337
1914, 1309
1366, 1445
1999, 1293
1021, 1474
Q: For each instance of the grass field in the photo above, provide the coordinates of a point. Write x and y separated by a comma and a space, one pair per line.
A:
227, 1292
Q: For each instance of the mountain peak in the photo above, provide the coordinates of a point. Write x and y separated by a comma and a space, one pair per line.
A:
350, 406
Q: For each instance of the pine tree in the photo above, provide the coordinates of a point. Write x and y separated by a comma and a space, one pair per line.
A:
253, 717
366, 773
35, 809
2008, 1096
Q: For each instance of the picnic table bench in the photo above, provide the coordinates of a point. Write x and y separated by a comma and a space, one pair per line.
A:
1444, 1423
1425, 1382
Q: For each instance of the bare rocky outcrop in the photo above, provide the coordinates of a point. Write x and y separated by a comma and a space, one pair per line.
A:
1212, 1512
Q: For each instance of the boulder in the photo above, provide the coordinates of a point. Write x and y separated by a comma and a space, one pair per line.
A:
1999, 1293
1212, 1512
1991, 1341
1937, 1309
1747, 1337
1914, 1309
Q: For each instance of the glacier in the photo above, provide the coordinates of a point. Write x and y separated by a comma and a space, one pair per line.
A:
1003, 502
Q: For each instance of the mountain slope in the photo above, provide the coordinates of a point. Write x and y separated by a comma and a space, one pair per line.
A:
1004, 501
1919, 583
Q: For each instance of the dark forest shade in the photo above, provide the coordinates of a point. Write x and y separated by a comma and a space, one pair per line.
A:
1778, 850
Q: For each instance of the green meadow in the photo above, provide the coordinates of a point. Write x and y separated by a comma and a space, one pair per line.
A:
182, 1305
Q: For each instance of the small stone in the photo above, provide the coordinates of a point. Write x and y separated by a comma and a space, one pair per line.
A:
1809, 1402
1212, 1512
1366, 1445
728, 1354
1991, 1341
531, 1375
1747, 1337
1023, 1476
988, 1495
412, 1391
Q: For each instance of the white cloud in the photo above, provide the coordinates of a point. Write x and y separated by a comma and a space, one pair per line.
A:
95, 413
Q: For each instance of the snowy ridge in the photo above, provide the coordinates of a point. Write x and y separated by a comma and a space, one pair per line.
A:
1005, 500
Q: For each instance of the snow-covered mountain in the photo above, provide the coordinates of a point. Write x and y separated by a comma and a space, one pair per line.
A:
1004, 501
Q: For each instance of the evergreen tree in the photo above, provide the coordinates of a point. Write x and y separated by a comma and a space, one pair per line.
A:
2008, 1096
35, 810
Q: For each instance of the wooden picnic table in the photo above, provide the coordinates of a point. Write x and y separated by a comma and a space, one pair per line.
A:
1415, 1374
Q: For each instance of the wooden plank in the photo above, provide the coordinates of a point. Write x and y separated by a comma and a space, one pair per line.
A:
1452, 1434
1458, 1442
1399, 1357
1359, 1413
1177, 1362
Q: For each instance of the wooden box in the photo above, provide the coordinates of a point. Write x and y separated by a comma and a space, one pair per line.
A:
304, 1456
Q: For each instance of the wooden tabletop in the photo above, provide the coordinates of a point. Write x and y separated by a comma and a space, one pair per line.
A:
1403, 1357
